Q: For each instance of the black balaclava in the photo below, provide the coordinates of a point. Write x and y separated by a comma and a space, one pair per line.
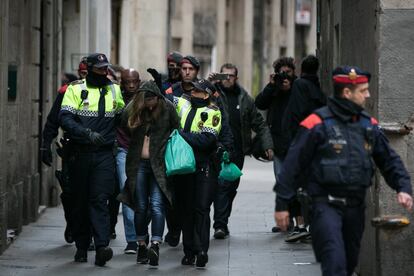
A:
97, 80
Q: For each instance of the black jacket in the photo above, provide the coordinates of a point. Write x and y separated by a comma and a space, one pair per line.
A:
51, 129
275, 101
251, 120
306, 96
309, 142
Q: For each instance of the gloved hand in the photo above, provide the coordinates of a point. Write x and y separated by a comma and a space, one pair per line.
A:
156, 76
95, 137
46, 153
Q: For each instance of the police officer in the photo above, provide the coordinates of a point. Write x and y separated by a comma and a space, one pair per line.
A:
89, 112
200, 125
338, 143
50, 131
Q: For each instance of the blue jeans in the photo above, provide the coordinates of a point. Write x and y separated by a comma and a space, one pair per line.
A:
147, 189
127, 213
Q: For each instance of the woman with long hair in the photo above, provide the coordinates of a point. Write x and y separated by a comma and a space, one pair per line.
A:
150, 119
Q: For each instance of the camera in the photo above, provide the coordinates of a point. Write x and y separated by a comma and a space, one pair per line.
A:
280, 77
221, 76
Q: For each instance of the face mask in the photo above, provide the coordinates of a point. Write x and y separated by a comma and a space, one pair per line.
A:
97, 79
174, 73
198, 102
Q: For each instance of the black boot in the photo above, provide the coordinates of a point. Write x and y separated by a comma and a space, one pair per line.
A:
188, 260
142, 255
202, 259
103, 254
81, 256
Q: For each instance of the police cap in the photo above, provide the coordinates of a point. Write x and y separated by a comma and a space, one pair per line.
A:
350, 75
204, 85
98, 60
191, 60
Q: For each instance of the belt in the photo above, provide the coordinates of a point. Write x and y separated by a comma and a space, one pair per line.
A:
91, 148
338, 201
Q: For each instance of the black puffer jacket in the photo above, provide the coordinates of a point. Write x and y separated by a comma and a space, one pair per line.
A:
275, 101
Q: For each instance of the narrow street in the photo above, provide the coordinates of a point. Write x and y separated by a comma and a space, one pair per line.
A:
251, 249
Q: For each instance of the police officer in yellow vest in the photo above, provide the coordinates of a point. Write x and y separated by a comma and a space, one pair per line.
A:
90, 109
200, 124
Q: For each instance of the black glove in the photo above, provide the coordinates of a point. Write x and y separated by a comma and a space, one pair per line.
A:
46, 153
156, 76
95, 137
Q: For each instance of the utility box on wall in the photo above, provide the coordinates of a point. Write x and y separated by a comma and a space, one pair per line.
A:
12, 83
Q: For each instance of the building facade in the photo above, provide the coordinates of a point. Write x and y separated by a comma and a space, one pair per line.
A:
249, 33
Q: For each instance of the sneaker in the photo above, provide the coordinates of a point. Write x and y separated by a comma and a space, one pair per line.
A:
81, 256
153, 254
297, 234
103, 254
172, 239
68, 235
142, 255
220, 234
131, 248
202, 259
188, 260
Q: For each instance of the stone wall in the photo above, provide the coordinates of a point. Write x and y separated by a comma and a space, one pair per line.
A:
24, 184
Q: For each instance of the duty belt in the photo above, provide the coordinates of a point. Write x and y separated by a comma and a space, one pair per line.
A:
91, 148
338, 201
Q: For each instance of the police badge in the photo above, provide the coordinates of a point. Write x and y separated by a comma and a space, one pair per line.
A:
216, 120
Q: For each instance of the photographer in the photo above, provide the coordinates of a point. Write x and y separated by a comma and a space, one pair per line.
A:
274, 99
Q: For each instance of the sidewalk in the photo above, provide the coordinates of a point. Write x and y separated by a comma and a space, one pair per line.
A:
251, 249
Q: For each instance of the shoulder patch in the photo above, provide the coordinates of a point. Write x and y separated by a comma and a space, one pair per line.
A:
213, 106
62, 89
77, 82
169, 90
374, 121
311, 121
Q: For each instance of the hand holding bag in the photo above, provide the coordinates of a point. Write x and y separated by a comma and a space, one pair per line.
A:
179, 155
229, 171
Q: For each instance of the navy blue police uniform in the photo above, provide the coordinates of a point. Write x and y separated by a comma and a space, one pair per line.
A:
339, 145
89, 111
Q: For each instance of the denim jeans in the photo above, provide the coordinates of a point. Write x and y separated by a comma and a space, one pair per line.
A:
277, 165
148, 191
127, 213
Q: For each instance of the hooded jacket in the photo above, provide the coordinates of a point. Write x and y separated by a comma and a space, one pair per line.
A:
160, 131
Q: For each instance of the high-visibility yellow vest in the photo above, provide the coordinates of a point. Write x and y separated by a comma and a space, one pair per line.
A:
206, 119
86, 104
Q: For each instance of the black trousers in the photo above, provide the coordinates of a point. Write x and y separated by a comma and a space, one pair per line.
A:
226, 192
66, 196
336, 237
92, 178
194, 194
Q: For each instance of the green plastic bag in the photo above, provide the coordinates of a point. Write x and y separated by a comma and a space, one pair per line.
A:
179, 155
229, 171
